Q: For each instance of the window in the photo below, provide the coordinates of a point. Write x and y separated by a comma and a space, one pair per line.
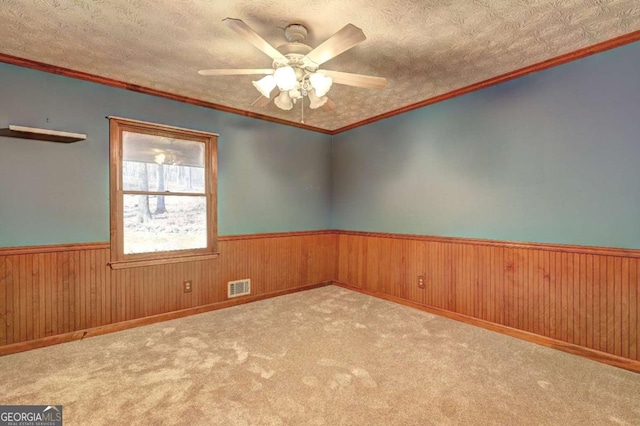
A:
163, 193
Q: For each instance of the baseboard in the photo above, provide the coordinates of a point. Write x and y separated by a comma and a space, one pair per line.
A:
592, 354
110, 328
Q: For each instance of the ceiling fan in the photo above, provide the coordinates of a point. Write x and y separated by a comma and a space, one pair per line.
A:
295, 71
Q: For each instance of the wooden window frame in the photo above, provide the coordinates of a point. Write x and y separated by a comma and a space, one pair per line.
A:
118, 125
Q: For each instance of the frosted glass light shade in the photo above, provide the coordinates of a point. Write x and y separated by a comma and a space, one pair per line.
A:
265, 85
315, 101
295, 94
321, 83
285, 78
283, 101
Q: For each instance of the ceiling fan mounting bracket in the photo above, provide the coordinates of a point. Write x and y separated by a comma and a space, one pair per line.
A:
296, 33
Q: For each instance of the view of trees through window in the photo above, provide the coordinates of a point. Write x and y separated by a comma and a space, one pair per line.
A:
164, 202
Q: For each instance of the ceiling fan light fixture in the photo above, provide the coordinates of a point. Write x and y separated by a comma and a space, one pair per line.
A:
320, 83
316, 101
283, 101
265, 85
295, 66
295, 94
285, 78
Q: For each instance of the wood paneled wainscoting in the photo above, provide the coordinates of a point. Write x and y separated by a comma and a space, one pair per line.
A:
52, 294
583, 300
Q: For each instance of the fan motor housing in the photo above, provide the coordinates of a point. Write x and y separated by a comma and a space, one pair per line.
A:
294, 48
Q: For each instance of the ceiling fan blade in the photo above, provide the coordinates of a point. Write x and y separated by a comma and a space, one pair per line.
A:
329, 105
357, 80
261, 102
348, 37
240, 71
252, 37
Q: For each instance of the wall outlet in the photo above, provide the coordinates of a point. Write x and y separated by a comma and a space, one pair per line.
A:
187, 286
421, 281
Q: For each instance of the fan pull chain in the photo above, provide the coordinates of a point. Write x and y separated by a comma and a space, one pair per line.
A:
302, 110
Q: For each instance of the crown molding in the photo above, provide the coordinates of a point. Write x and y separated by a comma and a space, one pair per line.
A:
80, 75
540, 66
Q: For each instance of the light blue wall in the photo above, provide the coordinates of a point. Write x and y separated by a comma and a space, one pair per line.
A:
272, 178
550, 157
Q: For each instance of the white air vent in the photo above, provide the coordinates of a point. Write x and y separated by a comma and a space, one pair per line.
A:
239, 288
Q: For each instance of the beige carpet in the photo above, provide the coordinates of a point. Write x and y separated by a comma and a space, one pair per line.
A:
322, 357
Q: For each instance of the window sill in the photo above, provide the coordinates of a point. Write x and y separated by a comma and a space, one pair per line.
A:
123, 264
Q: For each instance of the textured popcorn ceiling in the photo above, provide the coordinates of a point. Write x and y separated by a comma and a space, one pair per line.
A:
423, 47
